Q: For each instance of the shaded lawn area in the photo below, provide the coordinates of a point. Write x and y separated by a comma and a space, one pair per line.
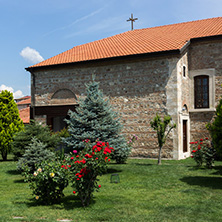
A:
174, 191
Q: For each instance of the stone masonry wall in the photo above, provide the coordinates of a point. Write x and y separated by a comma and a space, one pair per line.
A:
137, 90
205, 56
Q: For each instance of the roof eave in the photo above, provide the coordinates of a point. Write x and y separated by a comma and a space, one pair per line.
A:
134, 56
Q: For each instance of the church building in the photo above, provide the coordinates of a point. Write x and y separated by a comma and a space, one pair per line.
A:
172, 69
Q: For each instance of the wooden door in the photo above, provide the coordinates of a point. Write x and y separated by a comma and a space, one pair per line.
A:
184, 136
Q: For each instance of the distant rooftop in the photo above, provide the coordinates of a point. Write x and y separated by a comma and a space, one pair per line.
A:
141, 41
25, 115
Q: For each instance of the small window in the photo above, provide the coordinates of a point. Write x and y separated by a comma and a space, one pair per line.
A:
184, 71
201, 91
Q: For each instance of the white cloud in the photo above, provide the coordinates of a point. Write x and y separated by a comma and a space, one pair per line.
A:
16, 94
31, 55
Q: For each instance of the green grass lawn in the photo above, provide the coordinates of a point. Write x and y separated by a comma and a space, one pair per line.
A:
174, 191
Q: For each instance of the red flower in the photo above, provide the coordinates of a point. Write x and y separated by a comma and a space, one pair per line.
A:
99, 186
201, 143
191, 156
96, 158
108, 159
74, 192
77, 156
77, 179
72, 158
199, 148
62, 166
193, 151
69, 166
206, 138
83, 161
201, 139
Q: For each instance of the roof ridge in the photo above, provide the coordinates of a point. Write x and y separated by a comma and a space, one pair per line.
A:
179, 23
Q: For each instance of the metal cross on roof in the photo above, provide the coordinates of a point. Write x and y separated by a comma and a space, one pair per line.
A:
132, 20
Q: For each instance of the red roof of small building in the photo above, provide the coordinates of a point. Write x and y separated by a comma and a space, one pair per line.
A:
25, 115
24, 102
141, 41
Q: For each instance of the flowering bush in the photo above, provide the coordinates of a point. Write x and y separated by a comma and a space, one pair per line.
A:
203, 152
47, 182
84, 167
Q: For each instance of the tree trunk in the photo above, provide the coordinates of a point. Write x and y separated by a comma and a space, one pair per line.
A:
4, 155
159, 157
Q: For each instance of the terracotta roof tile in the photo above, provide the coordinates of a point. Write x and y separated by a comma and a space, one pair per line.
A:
25, 115
156, 39
24, 102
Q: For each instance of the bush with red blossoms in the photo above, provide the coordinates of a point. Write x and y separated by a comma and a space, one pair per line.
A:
85, 166
203, 152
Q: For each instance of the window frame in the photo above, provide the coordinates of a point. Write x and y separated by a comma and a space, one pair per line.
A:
211, 87
199, 92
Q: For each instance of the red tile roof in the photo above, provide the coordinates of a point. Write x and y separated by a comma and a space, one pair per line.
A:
149, 40
22, 98
25, 115
24, 102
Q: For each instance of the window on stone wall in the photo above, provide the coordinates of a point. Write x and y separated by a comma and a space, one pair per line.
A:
184, 71
201, 91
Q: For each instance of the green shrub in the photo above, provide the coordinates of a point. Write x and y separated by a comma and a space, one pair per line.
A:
215, 129
47, 182
203, 152
23, 138
35, 153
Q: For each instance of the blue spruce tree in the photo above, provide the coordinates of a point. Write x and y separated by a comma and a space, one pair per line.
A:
95, 119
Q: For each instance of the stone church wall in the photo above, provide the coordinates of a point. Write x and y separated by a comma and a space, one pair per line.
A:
137, 90
205, 55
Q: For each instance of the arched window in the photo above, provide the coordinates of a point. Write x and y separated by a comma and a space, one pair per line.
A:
201, 91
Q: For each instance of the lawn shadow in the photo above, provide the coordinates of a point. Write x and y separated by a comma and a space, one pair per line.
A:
13, 172
19, 181
68, 203
212, 182
71, 202
111, 170
218, 170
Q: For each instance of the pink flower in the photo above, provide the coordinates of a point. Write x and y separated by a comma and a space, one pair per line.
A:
75, 151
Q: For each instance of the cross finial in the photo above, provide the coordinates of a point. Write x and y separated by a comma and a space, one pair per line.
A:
132, 20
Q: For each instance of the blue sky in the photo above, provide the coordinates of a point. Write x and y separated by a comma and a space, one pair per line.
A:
34, 30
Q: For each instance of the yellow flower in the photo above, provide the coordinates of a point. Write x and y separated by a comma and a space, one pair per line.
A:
52, 174
39, 170
35, 174
37, 197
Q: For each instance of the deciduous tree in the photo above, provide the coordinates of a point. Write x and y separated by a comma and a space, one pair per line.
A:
10, 122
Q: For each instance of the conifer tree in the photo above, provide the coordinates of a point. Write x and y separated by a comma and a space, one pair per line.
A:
42, 132
95, 119
10, 122
35, 153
